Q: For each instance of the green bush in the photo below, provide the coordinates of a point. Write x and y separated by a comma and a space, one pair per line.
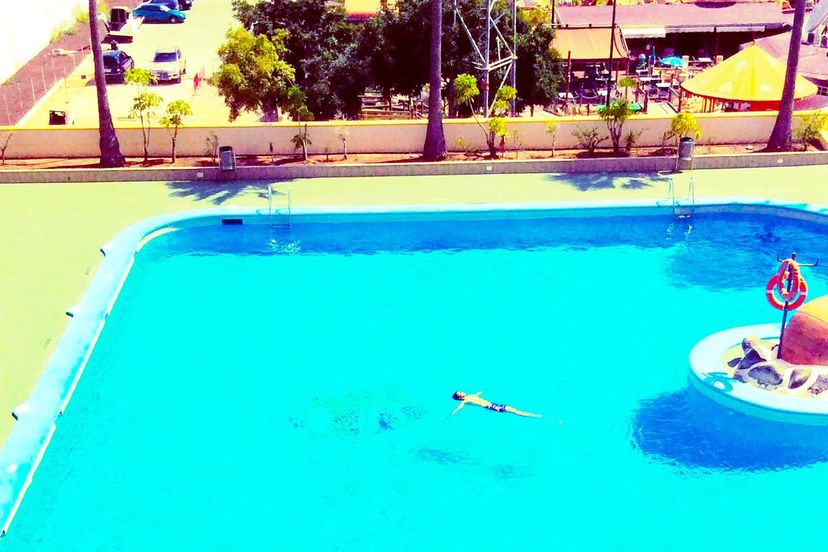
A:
588, 138
809, 128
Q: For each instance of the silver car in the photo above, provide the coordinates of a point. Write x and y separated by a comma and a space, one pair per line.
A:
168, 65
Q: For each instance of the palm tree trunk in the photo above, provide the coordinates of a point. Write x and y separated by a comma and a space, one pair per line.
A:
780, 138
434, 148
110, 148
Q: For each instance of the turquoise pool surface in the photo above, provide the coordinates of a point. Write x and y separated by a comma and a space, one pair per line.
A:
289, 388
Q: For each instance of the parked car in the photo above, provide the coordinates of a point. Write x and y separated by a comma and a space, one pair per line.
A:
122, 27
116, 63
156, 13
173, 4
168, 65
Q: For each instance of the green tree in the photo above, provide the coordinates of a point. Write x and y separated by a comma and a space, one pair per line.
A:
551, 129
174, 119
253, 76
144, 104
466, 91
538, 66
626, 83
615, 115
434, 148
320, 45
108, 140
140, 78
781, 138
299, 112
342, 133
399, 60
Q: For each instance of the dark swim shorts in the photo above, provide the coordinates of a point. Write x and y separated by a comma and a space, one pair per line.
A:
497, 407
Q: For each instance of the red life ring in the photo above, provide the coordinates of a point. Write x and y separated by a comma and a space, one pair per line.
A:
773, 284
788, 270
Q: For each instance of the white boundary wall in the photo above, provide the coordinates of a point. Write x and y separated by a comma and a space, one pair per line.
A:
26, 28
371, 136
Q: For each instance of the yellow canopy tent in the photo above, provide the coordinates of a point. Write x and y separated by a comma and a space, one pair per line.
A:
751, 76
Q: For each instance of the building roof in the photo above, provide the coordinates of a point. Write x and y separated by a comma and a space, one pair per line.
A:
680, 18
587, 44
813, 60
751, 75
361, 9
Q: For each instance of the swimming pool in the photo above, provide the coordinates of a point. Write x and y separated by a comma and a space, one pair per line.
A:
289, 387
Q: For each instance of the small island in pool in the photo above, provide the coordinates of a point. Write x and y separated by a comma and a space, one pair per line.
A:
777, 372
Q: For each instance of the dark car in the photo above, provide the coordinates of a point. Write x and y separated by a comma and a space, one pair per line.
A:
116, 63
156, 13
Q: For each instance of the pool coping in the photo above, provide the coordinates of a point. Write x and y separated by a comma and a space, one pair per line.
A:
37, 416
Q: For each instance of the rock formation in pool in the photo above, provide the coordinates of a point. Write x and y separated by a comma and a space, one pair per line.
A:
802, 368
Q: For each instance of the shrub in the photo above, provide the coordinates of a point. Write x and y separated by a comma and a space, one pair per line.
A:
588, 138
631, 138
809, 128
211, 144
683, 124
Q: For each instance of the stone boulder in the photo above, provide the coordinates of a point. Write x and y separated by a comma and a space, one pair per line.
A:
805, 340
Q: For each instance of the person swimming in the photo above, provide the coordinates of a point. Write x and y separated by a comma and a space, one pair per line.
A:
477, 400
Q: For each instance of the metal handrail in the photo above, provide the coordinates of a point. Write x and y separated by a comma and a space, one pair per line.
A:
675, 202
270, 199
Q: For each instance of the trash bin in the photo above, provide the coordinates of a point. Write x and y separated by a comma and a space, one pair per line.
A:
685, 153
227, 159
58, 118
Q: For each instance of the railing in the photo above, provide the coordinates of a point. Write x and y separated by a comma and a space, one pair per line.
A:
688, 202
289, 196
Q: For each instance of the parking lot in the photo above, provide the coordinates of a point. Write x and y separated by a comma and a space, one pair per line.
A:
198, 38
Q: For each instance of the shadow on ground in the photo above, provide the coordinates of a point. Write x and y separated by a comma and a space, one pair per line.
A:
219, 193
607, 181
688, 430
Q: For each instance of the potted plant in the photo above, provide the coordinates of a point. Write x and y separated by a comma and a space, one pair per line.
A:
685, 129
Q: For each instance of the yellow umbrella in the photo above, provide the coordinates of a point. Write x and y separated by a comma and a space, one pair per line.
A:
752, 75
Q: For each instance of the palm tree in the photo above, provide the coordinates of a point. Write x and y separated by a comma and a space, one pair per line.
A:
110, 149
780, 138
434, 148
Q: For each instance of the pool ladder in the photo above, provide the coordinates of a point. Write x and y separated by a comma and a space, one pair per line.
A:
683, 207
270, 210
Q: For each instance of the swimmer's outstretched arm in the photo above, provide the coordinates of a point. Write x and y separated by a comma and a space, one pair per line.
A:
459, 406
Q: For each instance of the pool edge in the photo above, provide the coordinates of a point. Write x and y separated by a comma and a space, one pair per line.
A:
37, 417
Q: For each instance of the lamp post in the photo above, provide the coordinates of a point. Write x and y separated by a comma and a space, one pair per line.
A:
612, 47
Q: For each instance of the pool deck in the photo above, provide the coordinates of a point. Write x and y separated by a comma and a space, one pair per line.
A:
51, 233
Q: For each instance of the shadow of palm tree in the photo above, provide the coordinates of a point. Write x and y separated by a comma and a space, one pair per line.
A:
220, 192
688, 430
637, 184
604, 181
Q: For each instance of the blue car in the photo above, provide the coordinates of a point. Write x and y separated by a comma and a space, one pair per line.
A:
156, 13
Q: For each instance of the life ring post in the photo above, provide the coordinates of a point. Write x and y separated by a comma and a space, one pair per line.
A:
792, 288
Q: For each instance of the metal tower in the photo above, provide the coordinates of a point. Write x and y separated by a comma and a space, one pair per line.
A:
504, 56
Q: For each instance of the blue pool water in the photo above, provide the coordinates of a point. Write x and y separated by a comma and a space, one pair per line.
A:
289, 388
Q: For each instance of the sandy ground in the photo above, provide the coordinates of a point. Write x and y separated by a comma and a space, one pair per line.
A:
52, 232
